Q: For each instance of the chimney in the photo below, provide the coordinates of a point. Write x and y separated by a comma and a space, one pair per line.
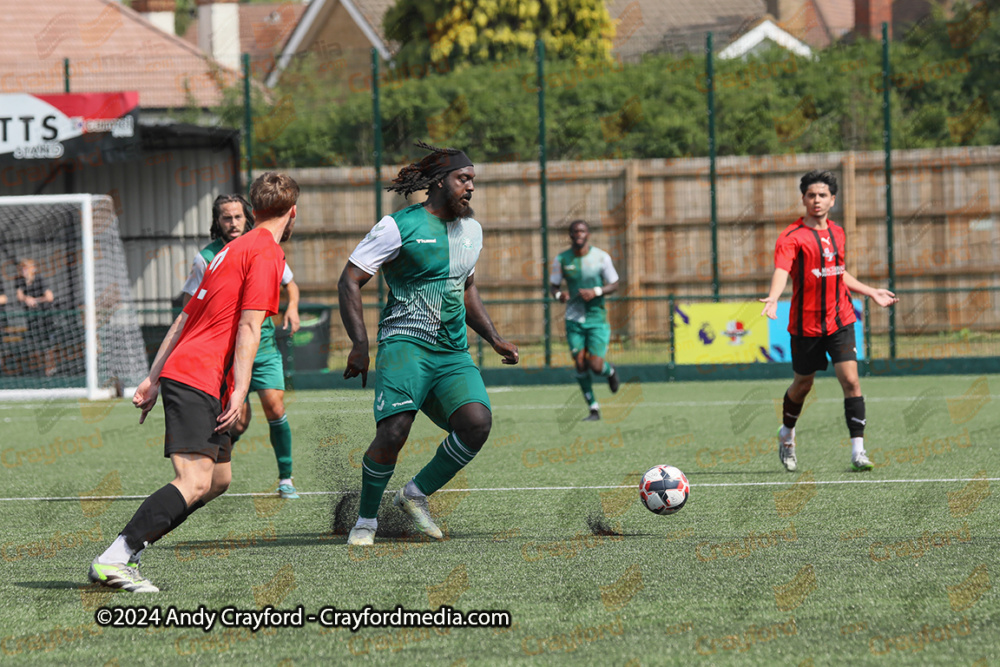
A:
219, 31
783, 10
790, 15
158, 12
869, 15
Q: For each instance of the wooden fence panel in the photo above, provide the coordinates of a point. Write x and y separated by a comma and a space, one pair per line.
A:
653, 217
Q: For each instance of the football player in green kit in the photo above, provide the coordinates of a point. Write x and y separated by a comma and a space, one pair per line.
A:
231, 217
427, 254
589, 275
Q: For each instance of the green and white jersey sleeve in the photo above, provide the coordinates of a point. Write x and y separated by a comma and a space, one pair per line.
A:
426, 262
595, 269
200, 265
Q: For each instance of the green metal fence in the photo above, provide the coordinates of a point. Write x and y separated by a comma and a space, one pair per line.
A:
961, 350
957, 319
760, 104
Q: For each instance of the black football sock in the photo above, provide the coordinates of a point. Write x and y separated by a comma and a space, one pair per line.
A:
195, 506
790, 412
157, 515
198, 504
854, 413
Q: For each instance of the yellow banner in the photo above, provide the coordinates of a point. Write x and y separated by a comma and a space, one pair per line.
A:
720, 333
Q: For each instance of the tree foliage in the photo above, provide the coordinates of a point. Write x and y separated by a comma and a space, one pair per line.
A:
480, 31
943, 93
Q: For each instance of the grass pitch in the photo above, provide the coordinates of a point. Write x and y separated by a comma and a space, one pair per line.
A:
824, 566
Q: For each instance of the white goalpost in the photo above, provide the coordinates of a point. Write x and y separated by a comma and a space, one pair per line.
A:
69, 327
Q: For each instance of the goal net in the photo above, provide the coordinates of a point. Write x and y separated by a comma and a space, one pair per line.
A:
69, 327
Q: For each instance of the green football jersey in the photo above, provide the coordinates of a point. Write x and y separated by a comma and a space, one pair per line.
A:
425, 261
595, 269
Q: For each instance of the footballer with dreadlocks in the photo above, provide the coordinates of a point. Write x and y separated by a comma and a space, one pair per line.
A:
427, 253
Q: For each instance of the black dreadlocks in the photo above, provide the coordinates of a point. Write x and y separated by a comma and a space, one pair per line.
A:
428, 172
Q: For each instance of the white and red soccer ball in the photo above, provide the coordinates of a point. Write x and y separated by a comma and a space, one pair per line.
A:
664, 490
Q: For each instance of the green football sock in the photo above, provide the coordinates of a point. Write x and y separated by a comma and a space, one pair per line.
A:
281, 441
374, 479
587, 386
451, 456
607, 370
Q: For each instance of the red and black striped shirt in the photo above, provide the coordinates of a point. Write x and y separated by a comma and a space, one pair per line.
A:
814, 258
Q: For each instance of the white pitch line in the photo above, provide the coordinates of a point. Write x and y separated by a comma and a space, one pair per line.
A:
69, 404
544, 488
505, 408
656, 404
768, 402
727, 484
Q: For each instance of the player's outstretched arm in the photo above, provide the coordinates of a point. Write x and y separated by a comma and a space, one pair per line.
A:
882, 297
247, 342
778, 282
352, 315
292, 312
477, 318
145, 396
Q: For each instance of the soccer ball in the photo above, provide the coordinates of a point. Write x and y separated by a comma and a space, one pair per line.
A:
664, 490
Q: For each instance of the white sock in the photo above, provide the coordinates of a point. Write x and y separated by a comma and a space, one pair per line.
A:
412, 491
595, 406
287, 481
370, 523
118, 552
857, 446
787, 434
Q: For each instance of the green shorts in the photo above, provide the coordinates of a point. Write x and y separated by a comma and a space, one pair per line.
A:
594, 338
268, 371
437, 382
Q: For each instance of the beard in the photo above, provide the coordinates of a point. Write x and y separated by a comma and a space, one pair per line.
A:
287, 234
457, 207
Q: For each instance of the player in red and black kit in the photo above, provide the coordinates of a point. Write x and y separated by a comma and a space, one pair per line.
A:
821, 320
203, 369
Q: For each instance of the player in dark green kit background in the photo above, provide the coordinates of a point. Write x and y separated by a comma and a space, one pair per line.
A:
427, 253
231, 217
589, 274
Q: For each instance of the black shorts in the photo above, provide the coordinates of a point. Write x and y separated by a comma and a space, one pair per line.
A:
191, 417
809, 352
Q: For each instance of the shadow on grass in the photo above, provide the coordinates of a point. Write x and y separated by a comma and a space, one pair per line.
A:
54, 585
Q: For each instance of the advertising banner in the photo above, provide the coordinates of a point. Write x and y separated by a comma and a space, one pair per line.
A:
54, 127
736, 333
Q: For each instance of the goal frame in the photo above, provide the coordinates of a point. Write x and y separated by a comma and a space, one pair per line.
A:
90, 391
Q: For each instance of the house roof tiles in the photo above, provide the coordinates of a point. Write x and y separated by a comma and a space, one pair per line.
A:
109, 47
